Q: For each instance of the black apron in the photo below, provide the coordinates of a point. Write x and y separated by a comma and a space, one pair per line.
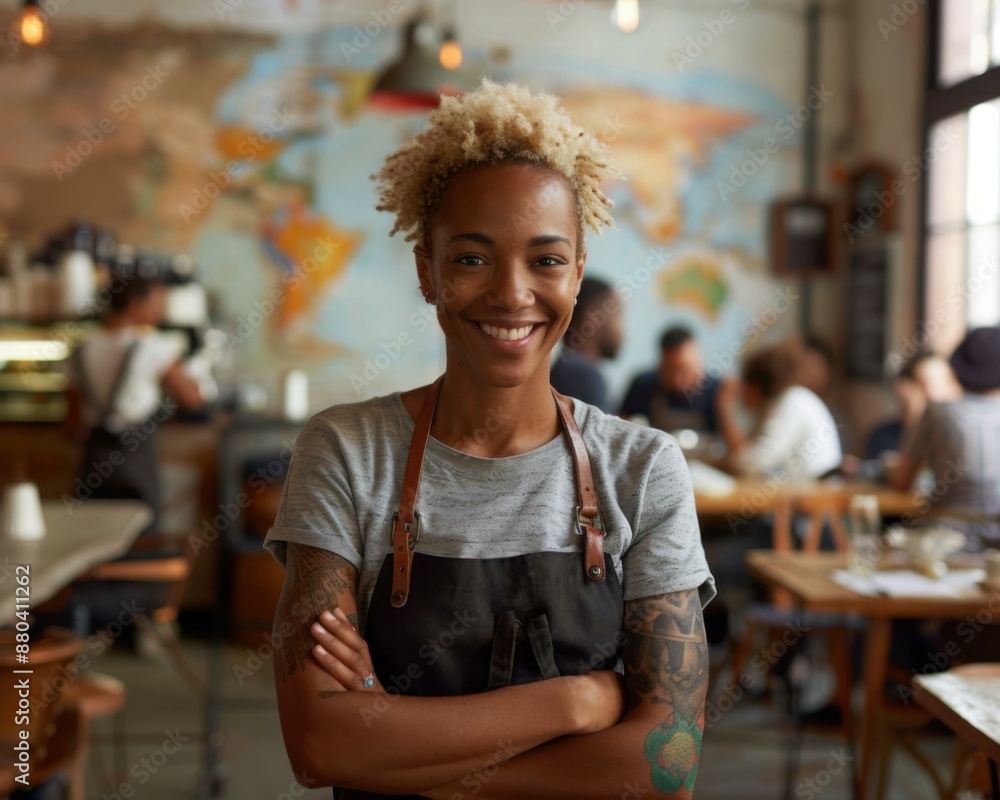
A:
138, 476
470, 625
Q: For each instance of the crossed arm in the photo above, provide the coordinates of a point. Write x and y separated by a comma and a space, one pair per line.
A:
554, 738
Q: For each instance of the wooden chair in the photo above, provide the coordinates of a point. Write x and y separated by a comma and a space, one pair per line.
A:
822, 511
103, 696
57, 733
173, 570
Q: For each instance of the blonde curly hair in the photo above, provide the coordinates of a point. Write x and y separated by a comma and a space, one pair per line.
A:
497, 123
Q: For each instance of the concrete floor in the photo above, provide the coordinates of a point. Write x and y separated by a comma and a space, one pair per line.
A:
743, 754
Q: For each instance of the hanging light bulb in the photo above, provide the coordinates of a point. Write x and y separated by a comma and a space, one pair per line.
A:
31, 25
625, 15
450, 54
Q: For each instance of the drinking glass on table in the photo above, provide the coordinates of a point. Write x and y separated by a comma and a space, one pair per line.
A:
864, 527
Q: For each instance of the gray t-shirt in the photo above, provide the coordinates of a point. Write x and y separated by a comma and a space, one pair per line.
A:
346, 473
960, 441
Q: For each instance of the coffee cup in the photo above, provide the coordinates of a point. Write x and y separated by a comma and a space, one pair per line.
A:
21, 518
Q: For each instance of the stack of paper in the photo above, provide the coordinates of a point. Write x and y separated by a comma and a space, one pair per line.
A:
907, 583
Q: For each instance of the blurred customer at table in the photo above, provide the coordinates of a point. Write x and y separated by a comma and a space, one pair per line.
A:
794, 434
117, 380
960, 441
594, 333
815, 364
678, 394
924, 378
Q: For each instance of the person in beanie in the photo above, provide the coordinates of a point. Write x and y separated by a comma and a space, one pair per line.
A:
960, 442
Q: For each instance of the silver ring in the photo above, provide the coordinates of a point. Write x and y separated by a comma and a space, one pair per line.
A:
369, 682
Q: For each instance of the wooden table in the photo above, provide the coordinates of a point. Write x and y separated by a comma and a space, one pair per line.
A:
806, 577
967, 700
76, 540
751, 497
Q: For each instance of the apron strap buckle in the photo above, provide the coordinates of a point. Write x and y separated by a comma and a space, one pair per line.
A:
591, 526
404, 540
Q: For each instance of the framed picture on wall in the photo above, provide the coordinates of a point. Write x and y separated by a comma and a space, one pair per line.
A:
802, 236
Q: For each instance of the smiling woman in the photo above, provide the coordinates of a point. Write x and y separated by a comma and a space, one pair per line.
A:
542, 586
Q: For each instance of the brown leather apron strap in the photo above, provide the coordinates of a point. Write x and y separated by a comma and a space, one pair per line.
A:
406, 521
587, 512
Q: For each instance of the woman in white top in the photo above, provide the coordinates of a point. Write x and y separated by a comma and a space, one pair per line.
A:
118, 378
795, 436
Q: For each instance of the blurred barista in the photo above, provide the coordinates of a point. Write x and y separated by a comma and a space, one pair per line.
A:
118, 378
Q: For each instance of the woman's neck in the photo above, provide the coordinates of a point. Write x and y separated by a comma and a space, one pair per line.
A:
495, 421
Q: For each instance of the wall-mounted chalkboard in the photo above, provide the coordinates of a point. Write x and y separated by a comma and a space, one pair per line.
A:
867, 307
802, 236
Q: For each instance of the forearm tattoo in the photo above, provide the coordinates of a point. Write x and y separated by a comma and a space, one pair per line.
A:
315, 579
666, 662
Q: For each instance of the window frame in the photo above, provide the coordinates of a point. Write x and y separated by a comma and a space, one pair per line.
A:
941, 102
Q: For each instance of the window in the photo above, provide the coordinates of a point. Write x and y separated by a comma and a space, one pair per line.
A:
962, 154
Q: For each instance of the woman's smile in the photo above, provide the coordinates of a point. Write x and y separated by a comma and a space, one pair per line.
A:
508, 336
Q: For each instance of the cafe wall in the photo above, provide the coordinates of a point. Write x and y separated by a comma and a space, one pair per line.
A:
237, 133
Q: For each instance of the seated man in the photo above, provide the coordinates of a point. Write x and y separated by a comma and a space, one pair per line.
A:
960, 441
678, 394
595, 332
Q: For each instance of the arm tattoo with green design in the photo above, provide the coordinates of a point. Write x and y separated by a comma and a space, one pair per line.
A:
315, 579
666, 662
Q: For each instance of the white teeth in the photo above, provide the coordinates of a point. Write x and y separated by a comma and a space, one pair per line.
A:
507, 334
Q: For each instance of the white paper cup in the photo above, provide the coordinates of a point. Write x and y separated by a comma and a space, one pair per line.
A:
21, 518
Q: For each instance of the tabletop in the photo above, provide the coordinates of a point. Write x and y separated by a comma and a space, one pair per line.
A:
807, 576
750, 495
967, 700
76, 540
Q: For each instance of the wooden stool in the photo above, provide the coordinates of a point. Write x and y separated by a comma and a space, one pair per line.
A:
57, 733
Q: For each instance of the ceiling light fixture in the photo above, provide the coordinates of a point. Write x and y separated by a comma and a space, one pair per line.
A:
31, 25
625, 15
450, 54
